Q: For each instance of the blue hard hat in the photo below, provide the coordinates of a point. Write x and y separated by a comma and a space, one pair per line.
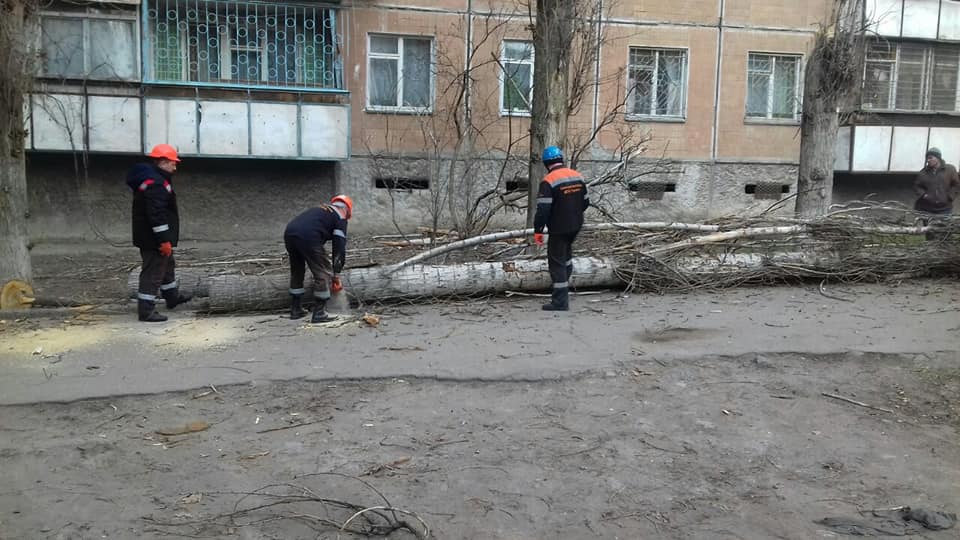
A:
552, 153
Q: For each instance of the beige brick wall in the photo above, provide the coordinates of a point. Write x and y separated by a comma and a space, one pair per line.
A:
677, 11
802, 15
691, 26
691, 138
738, 138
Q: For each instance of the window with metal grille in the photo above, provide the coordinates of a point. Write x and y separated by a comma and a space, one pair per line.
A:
773, 86
516, 77
911, 76
246, 44
657, 83
399, 73
89, 46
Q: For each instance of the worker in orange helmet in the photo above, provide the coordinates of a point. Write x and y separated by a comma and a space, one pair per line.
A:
305, 237
156, 230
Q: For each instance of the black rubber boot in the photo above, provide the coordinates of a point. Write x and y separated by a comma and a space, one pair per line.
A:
559, 300
147, 312
174, 298
320, 314
296, 307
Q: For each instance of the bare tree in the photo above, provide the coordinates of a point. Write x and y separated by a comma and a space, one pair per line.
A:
467, 161
831, 78
16, 76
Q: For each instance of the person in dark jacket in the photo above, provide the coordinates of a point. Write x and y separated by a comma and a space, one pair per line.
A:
936, 187
305, 237
156, 230
561, 201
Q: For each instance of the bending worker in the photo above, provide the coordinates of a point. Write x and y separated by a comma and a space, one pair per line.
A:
156, 230
305, 238
561, 201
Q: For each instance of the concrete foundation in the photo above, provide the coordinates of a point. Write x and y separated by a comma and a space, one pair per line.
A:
229, 200
688, 190
220, 200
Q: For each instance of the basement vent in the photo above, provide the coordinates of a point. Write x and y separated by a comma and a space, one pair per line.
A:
766, 190
652, 190
520, 184
402, 183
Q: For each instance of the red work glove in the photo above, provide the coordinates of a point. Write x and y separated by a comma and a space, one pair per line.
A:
335, 285
538, 238
166, 249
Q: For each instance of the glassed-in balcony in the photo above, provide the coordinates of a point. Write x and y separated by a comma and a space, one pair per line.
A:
242, 45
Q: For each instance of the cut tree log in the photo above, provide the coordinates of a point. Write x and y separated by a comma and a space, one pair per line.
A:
192, 281
249, 293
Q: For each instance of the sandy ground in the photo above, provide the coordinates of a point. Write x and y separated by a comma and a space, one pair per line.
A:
684, 416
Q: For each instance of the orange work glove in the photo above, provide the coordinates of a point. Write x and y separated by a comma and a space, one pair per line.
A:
166, 249
538, 238
335, 285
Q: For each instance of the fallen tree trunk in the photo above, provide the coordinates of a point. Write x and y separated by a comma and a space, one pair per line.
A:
192, 281
249, 293
664, 257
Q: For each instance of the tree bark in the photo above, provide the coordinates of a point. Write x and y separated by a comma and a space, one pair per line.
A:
552, 43
832, 76
14, 68
248, 293
818, 141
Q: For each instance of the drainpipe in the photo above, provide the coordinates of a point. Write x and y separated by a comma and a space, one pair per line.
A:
716, 95
716, 111
468, 65
596, 67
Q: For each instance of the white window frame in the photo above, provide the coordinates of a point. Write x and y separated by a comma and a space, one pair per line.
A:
398, 56
502, 74
797, 88
891, 84
926, 82
226, 56
85, 18
682, 116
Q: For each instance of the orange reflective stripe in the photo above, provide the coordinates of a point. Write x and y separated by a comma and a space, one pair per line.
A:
560, 174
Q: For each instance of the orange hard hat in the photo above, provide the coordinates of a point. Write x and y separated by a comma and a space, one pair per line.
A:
164, 151
346, 201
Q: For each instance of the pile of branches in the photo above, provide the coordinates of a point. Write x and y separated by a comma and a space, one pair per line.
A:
862, 243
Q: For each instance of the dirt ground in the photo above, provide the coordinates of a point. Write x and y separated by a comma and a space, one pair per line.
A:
686, 416
735, 447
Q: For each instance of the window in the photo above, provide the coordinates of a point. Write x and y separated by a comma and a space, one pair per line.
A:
399, 73
243, 44
516, 78
773, 86
81, 46
911, 76
656, 83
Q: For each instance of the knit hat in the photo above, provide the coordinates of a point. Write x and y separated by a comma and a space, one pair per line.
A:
935, 152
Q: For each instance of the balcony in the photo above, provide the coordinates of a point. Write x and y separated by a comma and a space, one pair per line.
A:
213, 78
242, 45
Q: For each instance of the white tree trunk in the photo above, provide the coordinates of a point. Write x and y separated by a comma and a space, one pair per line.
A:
248, 293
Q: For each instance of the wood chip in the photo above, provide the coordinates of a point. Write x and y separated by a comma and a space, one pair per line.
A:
192, 427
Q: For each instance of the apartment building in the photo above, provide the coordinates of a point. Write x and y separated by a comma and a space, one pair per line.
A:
275, 106
909, 99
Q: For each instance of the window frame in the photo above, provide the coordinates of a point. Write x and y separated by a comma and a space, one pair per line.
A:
85, 17
928, 69
502, 76
682, 116
768, 118
398, 56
